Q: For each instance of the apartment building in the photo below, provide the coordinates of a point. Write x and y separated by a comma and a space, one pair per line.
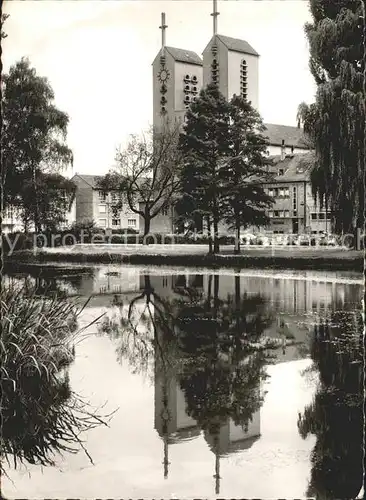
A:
295, 210
93, 204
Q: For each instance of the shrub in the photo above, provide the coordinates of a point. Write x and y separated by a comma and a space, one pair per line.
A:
40, 413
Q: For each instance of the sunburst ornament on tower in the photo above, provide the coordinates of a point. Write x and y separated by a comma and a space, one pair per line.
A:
163, 75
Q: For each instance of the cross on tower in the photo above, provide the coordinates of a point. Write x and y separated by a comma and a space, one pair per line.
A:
163, 28
214, 14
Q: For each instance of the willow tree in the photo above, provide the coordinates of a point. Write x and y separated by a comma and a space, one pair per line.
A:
336, 121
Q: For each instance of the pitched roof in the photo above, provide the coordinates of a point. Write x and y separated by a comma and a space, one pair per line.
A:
89, 179
292, 136
295, 167
186, 56
92, 180
237, 45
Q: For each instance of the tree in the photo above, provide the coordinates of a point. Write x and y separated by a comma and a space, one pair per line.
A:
54, 194
244, 197
4, 17
147, 176
33, 133
336, 415
336, 121
204, 144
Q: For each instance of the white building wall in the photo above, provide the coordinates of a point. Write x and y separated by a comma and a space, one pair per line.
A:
234, 62
222, 58
158, 118
276, 150
181, 70
254, 429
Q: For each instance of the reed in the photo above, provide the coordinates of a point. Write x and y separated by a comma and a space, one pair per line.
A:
41, 415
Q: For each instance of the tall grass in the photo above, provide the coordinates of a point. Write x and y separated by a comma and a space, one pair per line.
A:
41, 415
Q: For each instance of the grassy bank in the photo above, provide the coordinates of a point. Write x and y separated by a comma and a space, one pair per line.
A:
332, 260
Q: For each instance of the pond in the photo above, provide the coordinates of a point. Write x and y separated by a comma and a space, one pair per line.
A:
226, 384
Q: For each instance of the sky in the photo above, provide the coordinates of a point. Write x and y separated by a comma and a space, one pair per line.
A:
97, 55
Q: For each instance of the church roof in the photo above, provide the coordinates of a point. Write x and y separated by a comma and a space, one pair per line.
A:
234, 44
292, 136
186, 56
237, 45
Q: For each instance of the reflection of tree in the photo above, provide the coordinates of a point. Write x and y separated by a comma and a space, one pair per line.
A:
41, 415
135, 325
221, 366
336, 413
208, 344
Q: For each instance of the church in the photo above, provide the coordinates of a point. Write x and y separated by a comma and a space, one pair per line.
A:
178, 77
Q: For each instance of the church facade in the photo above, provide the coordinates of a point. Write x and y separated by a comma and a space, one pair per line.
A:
178, 77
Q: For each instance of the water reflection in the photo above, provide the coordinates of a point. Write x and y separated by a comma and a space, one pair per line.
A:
335, 416
210, 355
205, 341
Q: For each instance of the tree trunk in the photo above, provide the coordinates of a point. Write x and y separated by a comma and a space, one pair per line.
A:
216, 292
216, 235
237, 291
37, 227
209, 289
147, 222
237, 236
209, 235
237, 310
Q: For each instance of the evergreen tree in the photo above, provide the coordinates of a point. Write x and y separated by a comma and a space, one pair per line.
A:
336, 121
205, 146
246, 169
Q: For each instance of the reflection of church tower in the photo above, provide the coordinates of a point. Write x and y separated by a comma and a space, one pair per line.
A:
229, 438
171, 421
177, 79
232, 64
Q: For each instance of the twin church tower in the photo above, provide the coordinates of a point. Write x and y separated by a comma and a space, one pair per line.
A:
179, 74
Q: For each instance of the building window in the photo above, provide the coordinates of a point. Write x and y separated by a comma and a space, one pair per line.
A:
280, 171
102, 209
243, 79
286, 192
102, 222
276, 213
321, 216
131, 222
287, 213
9, 214
164, 210
115, 197
282, 192
271, 192
115, 222
270, 213
102, 195
314, 217
281, 213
